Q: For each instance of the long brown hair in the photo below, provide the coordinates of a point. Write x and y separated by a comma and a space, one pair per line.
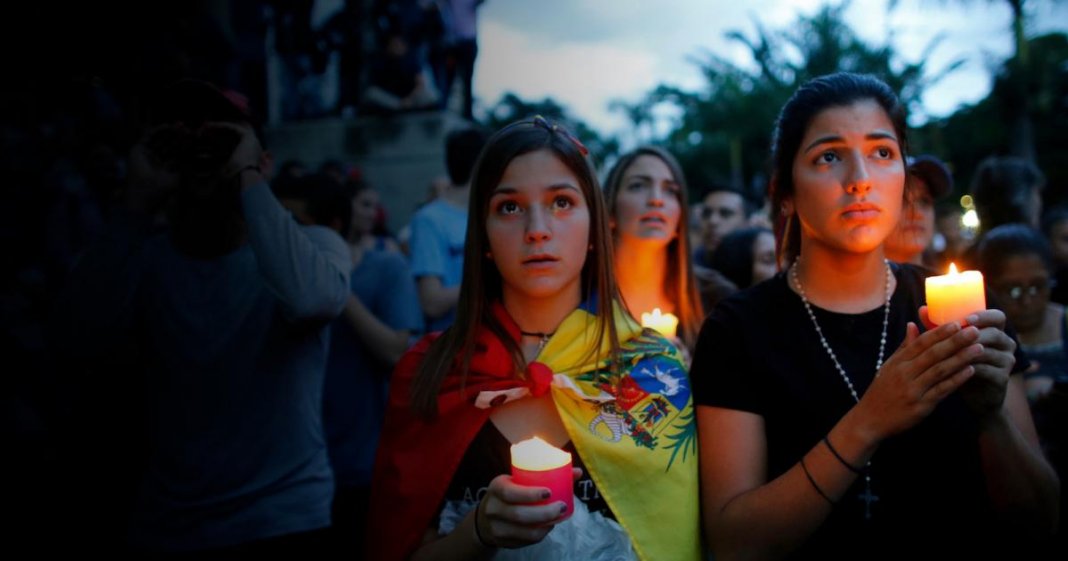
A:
679, 284
482, 284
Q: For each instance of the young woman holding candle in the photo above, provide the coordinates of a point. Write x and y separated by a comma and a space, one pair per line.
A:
646, 192
831, 424
541, 347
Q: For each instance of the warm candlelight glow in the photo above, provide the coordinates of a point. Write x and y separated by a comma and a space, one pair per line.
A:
534, 454
537, 463
954, 296
666, 324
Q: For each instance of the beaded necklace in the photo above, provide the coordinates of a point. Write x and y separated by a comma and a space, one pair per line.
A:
867, 495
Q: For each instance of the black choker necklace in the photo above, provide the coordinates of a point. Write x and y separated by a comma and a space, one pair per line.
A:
542, 336
539, 334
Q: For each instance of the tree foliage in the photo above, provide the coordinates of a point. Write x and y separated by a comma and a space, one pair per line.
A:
724, 133
976, 131
511, 108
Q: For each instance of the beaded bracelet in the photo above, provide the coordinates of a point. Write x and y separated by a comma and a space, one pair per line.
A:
851, 467
813, 482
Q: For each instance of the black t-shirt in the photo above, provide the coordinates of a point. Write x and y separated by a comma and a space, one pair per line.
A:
489, 455
759, 352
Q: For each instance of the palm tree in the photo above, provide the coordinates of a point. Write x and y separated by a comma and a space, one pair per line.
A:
1017, 107
725, 129
976, 131
511, 108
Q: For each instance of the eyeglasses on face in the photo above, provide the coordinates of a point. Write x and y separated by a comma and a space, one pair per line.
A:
1016, 292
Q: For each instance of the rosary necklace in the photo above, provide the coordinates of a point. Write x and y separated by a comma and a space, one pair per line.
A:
867, 495
542, 336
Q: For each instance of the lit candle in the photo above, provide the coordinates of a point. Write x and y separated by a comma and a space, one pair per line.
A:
666, 324
539, 464
955, 296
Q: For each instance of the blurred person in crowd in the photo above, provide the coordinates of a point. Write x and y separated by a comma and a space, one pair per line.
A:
697, 219
646, 194
724, 209
294, 192
437, 187
1055, 228
325, 202
439, 229
459, 51
1006, 190
714, 286
368, 220
396, 78
928, 181
291, 169
226, 315
380, 318
1017, 264
302, 61
335, 169
343, 33
761, 217
949, 243
286, 188
747, 256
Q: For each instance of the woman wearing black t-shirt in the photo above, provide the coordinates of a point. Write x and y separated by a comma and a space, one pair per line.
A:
830, 426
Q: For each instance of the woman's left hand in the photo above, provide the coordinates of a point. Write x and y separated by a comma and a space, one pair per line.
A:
985, 392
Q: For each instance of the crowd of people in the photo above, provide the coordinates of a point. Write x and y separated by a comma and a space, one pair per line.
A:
298, 381
357, 57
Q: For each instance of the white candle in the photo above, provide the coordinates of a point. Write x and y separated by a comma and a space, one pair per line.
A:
666, 324
955, 296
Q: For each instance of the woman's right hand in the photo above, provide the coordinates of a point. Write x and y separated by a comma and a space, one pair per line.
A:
921, 373
507, 517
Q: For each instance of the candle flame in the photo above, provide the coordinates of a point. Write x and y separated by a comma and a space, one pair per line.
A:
954, 296
534, 454
666, 324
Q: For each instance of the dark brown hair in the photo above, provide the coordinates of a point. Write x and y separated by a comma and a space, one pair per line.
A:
813, 97
482, 284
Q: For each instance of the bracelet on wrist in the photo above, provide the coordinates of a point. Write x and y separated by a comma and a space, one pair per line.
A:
813, 482
841, 460
478, 533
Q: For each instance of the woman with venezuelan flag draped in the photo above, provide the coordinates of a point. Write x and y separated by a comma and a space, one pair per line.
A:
540, 347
